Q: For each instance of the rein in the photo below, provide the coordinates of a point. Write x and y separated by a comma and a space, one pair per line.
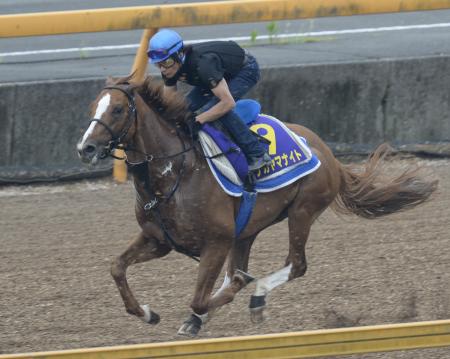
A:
152, 205
148, 157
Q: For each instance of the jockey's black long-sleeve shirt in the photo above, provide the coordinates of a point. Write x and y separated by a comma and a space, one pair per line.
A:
206, 64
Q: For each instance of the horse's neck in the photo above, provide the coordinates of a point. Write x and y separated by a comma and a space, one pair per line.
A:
164, 149
153, 136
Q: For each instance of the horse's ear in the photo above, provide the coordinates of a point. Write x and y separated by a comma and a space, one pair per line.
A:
110, 81
134, 77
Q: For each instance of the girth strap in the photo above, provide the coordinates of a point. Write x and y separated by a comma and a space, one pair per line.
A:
178, 248
141, 170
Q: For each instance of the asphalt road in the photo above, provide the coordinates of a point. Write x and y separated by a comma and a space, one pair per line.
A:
321, 40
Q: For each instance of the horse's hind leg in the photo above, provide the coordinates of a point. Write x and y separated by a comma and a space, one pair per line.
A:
141, 249
301, 217
236, 277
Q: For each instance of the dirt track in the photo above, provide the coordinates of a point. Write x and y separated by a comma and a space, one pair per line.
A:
57, 242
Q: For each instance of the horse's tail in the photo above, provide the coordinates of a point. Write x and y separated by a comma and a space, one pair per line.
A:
369, 193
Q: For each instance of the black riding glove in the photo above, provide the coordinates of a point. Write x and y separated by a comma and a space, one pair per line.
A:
194, 126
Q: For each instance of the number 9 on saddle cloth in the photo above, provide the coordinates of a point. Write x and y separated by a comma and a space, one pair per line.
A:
291, 156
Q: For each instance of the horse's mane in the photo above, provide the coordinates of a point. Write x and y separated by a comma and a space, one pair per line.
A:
170, 106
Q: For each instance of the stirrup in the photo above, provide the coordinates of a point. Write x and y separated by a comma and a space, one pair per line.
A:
260, 162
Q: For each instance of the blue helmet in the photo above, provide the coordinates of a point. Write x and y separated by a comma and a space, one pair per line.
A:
164, 44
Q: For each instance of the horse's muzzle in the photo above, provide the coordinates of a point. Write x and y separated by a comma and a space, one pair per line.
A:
89, 152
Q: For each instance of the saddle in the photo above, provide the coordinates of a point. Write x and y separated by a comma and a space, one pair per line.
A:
291, 156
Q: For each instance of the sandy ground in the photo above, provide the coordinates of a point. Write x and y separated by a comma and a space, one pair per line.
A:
56, 243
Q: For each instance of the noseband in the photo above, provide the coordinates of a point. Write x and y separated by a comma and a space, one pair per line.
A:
132, 117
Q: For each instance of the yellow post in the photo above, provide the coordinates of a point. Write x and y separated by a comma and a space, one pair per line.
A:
141, 60
138, 70
119, 167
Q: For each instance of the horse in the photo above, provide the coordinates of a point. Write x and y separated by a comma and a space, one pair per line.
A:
179, 206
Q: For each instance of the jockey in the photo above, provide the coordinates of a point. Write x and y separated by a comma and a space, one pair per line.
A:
221, 72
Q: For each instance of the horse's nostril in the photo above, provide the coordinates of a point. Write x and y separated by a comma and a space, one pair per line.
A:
89, 149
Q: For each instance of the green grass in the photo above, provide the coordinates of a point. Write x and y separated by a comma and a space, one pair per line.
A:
253, 36
254, 41
272, 29
274, 39
84, 54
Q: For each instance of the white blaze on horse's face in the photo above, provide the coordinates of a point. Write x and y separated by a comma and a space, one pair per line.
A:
102, 106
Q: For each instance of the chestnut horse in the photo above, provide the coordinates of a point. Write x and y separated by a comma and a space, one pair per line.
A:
180, 206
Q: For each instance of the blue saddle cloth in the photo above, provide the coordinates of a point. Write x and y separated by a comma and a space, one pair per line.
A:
291, 156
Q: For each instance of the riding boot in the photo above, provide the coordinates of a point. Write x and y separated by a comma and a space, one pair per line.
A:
243, 136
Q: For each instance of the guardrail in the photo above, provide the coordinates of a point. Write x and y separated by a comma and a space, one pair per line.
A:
306, 344
209, 13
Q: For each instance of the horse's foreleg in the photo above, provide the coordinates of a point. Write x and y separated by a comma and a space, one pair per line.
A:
211, 262
141, 249
236, 277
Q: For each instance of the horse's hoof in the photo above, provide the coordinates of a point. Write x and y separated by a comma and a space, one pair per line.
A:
150, 316
154, 318
191, 327
257, 315
257, 305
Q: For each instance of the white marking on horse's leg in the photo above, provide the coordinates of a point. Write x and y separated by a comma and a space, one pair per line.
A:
263, 287
150, 317
266, 284
102, 106
226, 282
147, 315
167, 169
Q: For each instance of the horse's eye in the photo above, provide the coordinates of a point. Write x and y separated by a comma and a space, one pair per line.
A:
117, 110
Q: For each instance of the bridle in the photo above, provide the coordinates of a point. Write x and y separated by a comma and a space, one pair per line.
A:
115, 143
131, 118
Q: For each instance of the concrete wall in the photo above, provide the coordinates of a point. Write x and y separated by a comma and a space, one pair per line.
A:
404, 101
355, 104
39, 127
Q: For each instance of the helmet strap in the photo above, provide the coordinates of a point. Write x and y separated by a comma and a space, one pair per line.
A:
180, 57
